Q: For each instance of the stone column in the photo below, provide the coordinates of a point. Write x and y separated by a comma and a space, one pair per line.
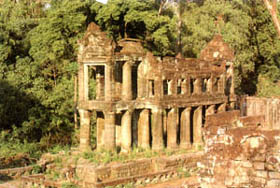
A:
144, 129
232, 86
126, 138
151, 88
81, 82
185, 134
198, 86
210, 110
188, 85
231, 74
141, 81
98, 86
184, 87
221, 84
110, 131
232, 105
127, 81
157, 129
172, 126
174, 87
164, 124
86, 83
108, 82
210, 85
84, 130
197, 127
169, 87
222, 108
100, 123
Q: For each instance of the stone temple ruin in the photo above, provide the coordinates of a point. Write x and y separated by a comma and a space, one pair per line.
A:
153, 102
147, 101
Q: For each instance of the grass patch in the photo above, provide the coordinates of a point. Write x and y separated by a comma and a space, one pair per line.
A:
105, 157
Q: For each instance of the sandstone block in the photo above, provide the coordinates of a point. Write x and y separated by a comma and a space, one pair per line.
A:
274, 175
247, 164
258, 180
273, 184
261, 174
258, 165
260, 157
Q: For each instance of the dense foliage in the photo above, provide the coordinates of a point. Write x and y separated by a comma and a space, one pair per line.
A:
38, 52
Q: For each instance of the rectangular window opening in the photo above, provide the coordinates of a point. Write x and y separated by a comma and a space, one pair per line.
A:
179, 86
204, 84
151, 88
192, 85
165, 87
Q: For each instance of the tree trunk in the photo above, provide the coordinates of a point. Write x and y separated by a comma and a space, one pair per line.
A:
161, 6
75, 102
272, 8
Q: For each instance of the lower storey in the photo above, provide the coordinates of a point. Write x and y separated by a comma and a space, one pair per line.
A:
147, 128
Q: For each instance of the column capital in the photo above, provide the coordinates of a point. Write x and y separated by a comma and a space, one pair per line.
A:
129, 62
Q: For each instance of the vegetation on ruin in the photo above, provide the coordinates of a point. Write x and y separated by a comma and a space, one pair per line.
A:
38, 52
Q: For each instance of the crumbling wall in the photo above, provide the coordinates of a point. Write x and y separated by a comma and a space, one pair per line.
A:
240, 155
269, 107
138, 172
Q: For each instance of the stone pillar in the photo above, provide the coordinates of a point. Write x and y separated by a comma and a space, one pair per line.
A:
84, 130
110, 131
232, 105
197, 127
172, 126
81, 82
164, 124
100, 123
198, 86
188, 85
210, 110
232, 86
169, 87
210, 85
184, 87
174, 87
141, 81
126, 138
98, 86
86, 83
127, 81
144, 129
185, 134
158, 88
222, 108
157, 129
108, 82
231, 73
221, 84
151, 88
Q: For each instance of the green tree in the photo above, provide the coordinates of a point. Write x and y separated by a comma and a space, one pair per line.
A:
139, 19
54, 49
248, 28
16, 20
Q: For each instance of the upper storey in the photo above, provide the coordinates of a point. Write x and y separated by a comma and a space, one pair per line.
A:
125, 71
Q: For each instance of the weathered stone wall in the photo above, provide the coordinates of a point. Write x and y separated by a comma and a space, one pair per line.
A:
269, 107
238, 155
139, 171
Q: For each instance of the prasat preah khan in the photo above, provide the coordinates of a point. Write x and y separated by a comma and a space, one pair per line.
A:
139, 94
